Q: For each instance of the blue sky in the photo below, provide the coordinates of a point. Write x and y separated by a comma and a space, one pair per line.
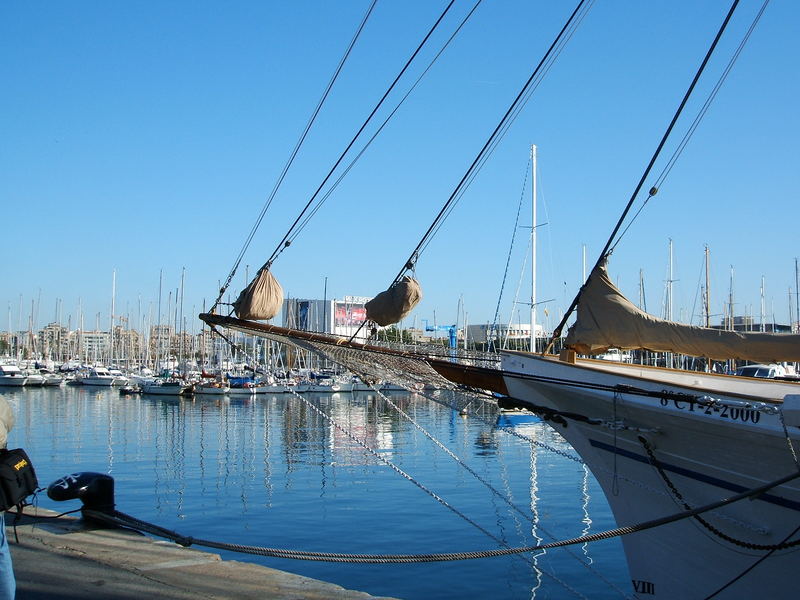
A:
145, 137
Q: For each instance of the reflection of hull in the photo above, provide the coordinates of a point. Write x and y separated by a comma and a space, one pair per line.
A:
514, 418
708, 453
241, 391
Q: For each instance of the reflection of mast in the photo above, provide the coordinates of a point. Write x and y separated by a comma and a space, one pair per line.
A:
587, 519
535, 520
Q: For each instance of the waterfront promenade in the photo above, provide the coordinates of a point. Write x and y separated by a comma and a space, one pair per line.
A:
66, 559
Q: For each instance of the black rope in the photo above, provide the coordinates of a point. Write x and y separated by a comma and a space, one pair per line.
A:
385, 122
696, 123
284, 243
603, 255
493, 328
481, 154
751, 567
293, 154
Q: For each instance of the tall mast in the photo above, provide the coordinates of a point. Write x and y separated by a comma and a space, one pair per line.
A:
730, 303
761, 320
111, 318
797, 292
708, 292
533, 249
670, 362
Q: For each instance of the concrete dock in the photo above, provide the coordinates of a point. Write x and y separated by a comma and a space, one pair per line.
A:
65, 558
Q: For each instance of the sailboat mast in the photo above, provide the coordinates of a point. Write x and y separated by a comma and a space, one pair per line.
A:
111, 319
797, 292
708, 292
533, 249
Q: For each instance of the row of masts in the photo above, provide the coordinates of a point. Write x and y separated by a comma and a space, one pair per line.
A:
728, 321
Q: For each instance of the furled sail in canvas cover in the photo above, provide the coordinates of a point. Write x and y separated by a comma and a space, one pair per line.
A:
606, 319
395, 303
261, 299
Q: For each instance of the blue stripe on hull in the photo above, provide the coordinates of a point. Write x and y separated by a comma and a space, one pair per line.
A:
727, 485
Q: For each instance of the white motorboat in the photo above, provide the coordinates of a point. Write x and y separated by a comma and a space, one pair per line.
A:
12, 375
120, 378
34, 379
98, 376
52, 379
163, 386
211, 388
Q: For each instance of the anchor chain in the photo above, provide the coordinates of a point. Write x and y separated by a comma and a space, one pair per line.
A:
741, 543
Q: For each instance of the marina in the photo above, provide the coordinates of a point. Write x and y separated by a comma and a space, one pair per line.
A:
367, 397
270, 471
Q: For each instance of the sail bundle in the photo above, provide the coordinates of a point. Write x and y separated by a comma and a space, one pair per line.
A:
607, 319
391, 305
261, 299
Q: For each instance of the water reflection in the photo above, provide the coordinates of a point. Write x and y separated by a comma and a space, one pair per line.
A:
271, 470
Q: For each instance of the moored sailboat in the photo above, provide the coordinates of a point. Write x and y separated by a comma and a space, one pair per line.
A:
661, 442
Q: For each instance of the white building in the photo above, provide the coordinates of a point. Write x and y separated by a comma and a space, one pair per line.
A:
518, 335
339, 317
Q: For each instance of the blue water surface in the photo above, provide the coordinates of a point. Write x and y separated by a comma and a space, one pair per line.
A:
272, 471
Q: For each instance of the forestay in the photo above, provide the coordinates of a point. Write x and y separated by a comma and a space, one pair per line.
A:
607, 319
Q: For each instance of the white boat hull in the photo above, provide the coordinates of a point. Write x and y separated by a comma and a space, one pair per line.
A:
13, 381
707, 453
98, 381
210, 391
157, 389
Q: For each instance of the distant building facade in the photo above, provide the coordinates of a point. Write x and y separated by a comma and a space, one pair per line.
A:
338, 317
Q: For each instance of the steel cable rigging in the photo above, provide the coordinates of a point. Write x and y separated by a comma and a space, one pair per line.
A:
557, 331
372, 138
285, 242
293, 154
497, 134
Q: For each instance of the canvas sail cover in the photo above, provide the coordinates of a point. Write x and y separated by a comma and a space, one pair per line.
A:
606, 319
261, 299
395, 303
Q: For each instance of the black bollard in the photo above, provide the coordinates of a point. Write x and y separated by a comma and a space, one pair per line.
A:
95, 490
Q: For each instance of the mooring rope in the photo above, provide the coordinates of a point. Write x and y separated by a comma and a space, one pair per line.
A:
529, 518
121, 519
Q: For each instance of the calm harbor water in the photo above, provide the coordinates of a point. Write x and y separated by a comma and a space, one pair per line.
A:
271, 471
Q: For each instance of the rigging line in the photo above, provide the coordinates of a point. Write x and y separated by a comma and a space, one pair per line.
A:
383, 125
499, 126
548, 64
522, 270
696, 122
282, 245
604, 253
712, 95
753, 566
510, 249
420, 485
118, 517
294, 152
464, 185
